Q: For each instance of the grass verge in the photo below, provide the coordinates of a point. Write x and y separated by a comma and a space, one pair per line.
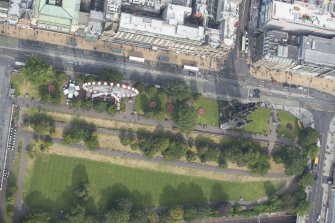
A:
23, 87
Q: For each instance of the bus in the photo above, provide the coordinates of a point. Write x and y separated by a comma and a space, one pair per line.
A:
191, 68
136, 59
243, 44
19, 64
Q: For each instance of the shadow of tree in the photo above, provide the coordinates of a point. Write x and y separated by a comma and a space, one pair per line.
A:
269, 188
217, 193
111, 194
67, 199
183, 194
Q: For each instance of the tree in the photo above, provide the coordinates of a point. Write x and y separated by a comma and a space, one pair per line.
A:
177, 91
76, 103
78, 214
87, 105
36, 216
100, 106
306, 179
211, 154
81, 130
139, 216
38, 72
185, 117
190, 156
41, 123
293, 159
82, 191
303, 207
308, 136
176, 213
197, 212
139, 86
117, 216
112, 76
175, 151
111, 109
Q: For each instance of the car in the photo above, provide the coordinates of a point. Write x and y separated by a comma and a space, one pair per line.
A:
293, 86
256, 93
318, 218
286, 85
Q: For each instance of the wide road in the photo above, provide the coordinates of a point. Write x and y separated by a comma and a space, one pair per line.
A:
211, 85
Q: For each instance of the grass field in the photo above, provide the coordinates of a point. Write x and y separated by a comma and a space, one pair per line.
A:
23, 87
211, 107
288, 125
49, 184
259, 124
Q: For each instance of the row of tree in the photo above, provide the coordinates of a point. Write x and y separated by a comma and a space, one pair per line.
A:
80, 130
296, 158
174, 147
124, 211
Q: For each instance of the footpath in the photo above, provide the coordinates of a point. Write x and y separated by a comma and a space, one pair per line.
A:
320, 84
62, 39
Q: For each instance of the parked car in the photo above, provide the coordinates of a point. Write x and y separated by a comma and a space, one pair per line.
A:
286, 85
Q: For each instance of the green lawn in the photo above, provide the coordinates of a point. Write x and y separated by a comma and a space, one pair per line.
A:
259, 124
288, 125
211, 107
23, 87
50, 184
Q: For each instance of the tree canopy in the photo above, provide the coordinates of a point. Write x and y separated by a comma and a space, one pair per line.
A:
177, 91
308, 136
81, 130
293, 158
185, 117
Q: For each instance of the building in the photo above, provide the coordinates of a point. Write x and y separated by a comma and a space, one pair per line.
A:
305, 55
298, 17
278, 51
159, 28
57, 15
317, 57
95, 23
4, 11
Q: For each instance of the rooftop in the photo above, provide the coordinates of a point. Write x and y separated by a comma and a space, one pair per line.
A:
64, 12
303, 13
318, 50
132, 23
177, 13
331, 213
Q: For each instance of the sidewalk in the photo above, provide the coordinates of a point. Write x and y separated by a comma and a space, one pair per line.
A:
61, 39
320, 84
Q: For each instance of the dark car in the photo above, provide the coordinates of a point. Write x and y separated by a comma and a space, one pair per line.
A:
286, 85
257, 93
294, 86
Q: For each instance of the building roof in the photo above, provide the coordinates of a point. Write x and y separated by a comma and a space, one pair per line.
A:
4, 4
302, 13
66, 13
318, 50
131, 23
177, 12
